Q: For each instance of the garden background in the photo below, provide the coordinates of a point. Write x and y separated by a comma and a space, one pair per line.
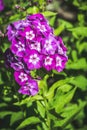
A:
61, 103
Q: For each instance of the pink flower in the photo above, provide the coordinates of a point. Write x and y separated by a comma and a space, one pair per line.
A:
49, 62
33, 60
60, 62
21, 77
18, 47
29, 88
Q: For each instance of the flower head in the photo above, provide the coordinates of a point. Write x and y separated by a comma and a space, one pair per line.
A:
34, 46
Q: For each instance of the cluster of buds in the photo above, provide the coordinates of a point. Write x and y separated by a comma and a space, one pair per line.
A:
33, 46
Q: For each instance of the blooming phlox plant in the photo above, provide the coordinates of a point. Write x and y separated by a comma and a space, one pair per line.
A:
33, 46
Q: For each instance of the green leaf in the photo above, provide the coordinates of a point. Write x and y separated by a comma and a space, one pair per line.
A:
80, 64
66, 24
5, 113
52, 20
41, 109
79, 31
13, 17
3, 105
81, 82
76, 3
32, 10
49, 13
29, 121
74, 55
84, 7
57, 84
68, 113
58, 30
29, 100
45, 127
65, 88
82, 47
16, 116
62, 99
39, 128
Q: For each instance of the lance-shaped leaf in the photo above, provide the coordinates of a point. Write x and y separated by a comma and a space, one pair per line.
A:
29, 121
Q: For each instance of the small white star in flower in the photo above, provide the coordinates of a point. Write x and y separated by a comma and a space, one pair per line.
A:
34, 59
30, 35
48, 60
23, 77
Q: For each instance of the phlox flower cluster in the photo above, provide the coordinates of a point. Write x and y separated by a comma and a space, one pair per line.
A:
1, 5
33, 46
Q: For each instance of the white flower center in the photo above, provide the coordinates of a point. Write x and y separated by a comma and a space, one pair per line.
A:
30, 35
20, 46
23, 77
34, 59
48, 61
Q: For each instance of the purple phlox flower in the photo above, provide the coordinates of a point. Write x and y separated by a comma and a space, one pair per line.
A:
37, 17
49, 62
9, 57
21, 77
13, 61
2, 5
60, 62
12, 32
21, 24
61, 47
28, 33
29, 88
49, 45
18, 47
45, 30
39, 23
33, 59
36, 45
17, 66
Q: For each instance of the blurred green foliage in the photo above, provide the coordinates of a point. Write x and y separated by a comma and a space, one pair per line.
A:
61, 103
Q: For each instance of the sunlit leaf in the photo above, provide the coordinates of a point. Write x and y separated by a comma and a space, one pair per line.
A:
80, 64
79, 31
80, 81
69, 113
29, 121
57, 84
62, 99
49, 13
41, 109
16, 116
5, 113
